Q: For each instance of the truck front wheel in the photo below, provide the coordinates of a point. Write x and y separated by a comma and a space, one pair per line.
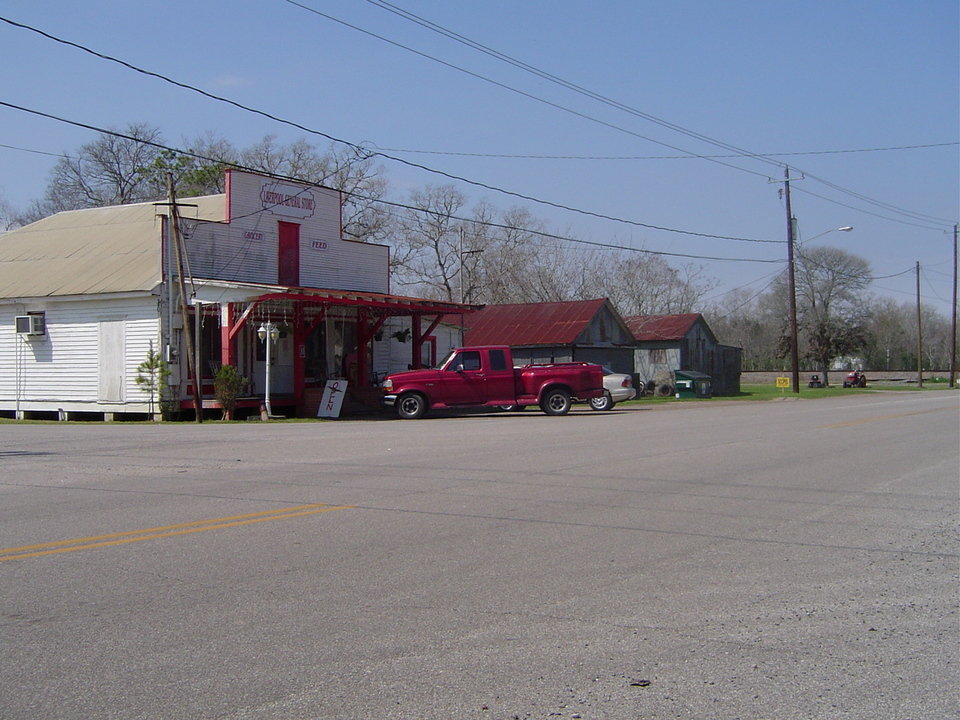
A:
411, 406
555, 402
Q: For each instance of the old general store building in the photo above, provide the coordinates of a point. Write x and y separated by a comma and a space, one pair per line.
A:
85, 295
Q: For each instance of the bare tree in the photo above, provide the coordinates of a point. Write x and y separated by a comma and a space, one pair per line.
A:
298, 159
645, 284
362, 184
7, 216
751, 322
888, 330
107, 171
427, 251
507, 264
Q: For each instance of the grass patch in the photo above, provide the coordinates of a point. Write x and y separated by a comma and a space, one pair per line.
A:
766, 391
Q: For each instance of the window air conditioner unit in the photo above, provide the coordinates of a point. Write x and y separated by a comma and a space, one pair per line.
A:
31, 324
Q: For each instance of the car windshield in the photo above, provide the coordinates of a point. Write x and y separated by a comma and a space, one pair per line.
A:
607, 371
443, 363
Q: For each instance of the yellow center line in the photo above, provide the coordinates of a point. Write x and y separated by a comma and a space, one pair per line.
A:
132, 536
878, 418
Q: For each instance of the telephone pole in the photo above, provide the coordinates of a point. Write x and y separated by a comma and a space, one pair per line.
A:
919, 333
953, 321
791, 287
184, 311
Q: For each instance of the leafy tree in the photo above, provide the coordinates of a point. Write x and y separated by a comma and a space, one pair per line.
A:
199, 172
888, 328
831, 338
830, 283
227, 385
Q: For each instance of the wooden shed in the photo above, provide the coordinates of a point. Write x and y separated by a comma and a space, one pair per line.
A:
667, 343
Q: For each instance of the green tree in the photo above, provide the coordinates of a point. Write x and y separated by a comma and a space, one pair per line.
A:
227, 385
152, 376
832, 338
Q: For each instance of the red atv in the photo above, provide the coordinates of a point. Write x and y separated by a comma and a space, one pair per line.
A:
855, 379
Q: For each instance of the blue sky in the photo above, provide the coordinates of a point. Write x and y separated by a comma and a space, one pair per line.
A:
766, 77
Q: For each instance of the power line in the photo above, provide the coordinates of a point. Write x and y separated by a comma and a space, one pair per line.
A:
189, 153
878, 203
368, 153
522, 93
740, 152
797, 188
562, 82
36, 152
522, 156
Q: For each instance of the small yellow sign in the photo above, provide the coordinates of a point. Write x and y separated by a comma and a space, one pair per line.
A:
783, 382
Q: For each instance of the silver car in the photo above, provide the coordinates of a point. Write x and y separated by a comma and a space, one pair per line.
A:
617, 387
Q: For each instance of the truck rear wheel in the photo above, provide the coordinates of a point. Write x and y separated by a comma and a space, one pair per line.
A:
555, 402
411, 406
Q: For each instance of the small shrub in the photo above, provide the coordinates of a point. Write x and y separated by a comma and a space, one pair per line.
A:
227, 385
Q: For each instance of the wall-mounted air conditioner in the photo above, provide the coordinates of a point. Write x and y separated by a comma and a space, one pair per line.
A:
34, 324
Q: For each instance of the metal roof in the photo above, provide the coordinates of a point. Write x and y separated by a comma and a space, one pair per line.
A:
650, 328
553, 323
392, 304
87, 252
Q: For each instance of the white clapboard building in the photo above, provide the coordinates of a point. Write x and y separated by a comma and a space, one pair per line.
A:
263, 270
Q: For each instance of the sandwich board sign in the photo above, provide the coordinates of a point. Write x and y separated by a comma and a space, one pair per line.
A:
332, 399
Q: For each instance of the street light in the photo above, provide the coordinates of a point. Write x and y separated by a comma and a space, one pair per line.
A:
842, 228
268, 332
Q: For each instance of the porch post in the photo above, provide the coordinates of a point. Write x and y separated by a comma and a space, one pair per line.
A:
299, 353
228, 345
363, 337
416, 322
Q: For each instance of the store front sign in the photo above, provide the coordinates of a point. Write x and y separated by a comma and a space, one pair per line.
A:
287, 200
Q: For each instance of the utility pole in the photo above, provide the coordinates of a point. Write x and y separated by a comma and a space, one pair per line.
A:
919, 334
791, 287
953, 322
184, 311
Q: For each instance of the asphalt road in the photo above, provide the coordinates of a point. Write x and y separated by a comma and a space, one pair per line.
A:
792, 559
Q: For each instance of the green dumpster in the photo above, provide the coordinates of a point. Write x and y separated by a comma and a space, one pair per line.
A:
684, 389
692, 384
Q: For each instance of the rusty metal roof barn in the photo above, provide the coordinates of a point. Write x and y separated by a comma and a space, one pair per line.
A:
651, 328
554, 323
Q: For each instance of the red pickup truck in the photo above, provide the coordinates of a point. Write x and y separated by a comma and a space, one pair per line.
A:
485, 376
